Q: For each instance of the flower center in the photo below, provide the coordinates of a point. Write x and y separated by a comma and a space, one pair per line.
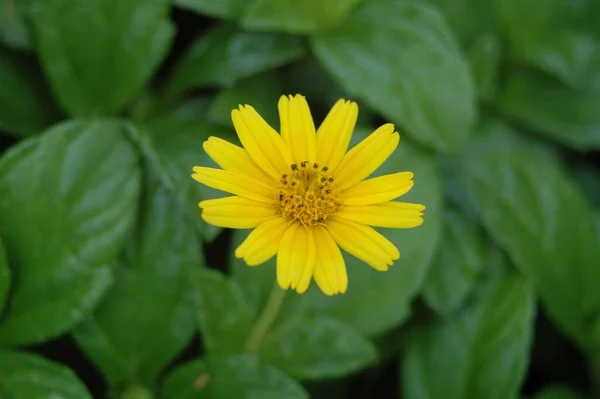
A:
305, 193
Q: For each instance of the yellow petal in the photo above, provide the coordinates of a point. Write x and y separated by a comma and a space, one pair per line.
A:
379, 189
366, 156
234, 159
333, 136
262, 243
264, 145
400, 215
298, 128
330, 270
363, 242
296, 258
237, 212
234, 183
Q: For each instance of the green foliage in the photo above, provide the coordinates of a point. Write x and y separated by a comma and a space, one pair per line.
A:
25, 375
106, 263
480, 353
424, 85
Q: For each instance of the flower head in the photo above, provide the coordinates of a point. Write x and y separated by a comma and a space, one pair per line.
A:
305, 195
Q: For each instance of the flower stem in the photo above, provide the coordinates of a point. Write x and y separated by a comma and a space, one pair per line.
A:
266, 319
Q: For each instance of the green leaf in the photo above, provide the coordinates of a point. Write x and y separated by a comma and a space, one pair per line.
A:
68, 201
261, 91
99, 56
225, 9
13, 28
226, 377
375, 302
224, 315
296, 16
5, 276
26, 107
552, 35
457, 264
30, 376
480, 353
557, 392
408, 68
568, 116
484, 59
227, 54
173, 145
587, 177
148, 315
469, 19
317, 348
539, 216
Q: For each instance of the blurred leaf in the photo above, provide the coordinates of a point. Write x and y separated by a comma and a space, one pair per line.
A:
457, 264
375, 301
194, 108
563, 114
227, 54
13, 29
99, 54
225, 317
26, 106
241, 376
296, 16
148, 315
469, 19
68, 201
5, 276
557, 392
480, 353
261, 91
226, 9
173, 146
587, 177
537, 214
29, 376
408, 67
484, 57
317, 348
551, 35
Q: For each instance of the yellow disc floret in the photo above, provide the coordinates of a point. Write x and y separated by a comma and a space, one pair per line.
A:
305, 193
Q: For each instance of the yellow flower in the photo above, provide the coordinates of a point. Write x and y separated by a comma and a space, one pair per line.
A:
304, 195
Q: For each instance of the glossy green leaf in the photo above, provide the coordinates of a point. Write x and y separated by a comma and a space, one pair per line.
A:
226, 9
539, 216
148, 315
408, 68
227, 54
563, 114
482, 352
173, 145
457, 265
230, 377
224, 315
30, 376
68, 201
13, 27
261, 91
553, 36
97, 54
26, 107
317, 348
557, 392
5, 276
296, 16
484, 59
391, 291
